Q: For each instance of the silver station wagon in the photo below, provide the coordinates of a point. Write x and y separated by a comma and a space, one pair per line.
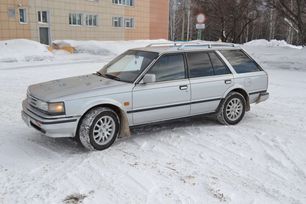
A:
146, 85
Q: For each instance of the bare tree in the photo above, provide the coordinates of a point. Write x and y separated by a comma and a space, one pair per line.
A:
231, 19
294, 13
239, 21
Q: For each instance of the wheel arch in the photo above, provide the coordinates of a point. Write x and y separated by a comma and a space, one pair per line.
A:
243, 93
124, 122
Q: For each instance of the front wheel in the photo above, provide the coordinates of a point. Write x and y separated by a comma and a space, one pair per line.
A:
99, 128
232, 110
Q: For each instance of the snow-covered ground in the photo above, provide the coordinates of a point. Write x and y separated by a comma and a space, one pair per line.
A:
260, 160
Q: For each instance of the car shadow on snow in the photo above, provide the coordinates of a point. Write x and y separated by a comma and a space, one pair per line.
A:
71, 146
196, 121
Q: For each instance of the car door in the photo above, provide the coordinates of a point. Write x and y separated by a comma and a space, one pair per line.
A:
210, 78
168, 97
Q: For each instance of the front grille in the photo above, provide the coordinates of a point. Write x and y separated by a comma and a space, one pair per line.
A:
32, 101
36, 103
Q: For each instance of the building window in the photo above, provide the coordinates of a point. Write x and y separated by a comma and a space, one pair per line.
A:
124, 2
129, 22
91, 20
42, 16
22, 15
117, 21
75, 18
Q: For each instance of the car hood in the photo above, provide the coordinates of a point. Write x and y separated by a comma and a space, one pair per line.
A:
61, 88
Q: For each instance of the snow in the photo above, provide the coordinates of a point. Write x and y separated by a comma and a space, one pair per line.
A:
23, 50
29, 53
105, 47
271, 43
260, 160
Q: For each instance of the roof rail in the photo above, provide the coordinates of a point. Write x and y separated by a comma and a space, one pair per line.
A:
182, 45
174, 44
209, 45
169, 43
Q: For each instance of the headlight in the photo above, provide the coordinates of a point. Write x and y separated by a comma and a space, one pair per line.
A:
57, 108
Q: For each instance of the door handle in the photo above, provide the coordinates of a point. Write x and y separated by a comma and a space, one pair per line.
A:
228, 81
183, 87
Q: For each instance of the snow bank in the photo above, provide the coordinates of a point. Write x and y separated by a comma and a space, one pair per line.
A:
271, 43
104, 47
23, 50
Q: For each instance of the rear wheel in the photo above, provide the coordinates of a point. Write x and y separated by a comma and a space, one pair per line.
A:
232, 110
99, 128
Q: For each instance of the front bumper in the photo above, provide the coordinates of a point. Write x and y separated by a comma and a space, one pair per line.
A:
49, 126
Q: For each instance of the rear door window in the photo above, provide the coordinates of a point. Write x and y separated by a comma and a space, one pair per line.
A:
199, 65
240, 61
219, 67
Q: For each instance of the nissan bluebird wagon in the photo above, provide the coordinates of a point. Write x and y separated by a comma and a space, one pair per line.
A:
156, 83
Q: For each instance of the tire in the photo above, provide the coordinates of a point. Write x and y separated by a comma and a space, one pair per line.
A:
99, 128
232, 109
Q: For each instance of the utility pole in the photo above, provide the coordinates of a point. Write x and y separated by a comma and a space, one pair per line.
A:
173, 9
183, 24
271, 29
247, 31
188, 6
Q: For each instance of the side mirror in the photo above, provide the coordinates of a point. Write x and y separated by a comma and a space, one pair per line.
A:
149, 78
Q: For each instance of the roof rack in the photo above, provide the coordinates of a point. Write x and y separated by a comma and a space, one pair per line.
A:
209, 45
174, 44
182, 45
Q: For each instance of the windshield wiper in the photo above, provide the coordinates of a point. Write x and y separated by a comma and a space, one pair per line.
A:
98, 73
112, 77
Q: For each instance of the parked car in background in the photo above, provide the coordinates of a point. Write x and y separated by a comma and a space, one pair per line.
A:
147, 85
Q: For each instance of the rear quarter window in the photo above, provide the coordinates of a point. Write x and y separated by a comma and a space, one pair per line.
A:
240, 61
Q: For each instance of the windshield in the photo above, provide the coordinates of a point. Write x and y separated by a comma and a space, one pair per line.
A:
128, 66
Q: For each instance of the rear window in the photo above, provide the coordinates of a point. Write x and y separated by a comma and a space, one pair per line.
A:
240, 61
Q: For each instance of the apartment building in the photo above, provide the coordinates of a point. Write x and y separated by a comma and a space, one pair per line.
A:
47, 20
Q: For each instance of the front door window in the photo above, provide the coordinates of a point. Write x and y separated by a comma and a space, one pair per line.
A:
169, 67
